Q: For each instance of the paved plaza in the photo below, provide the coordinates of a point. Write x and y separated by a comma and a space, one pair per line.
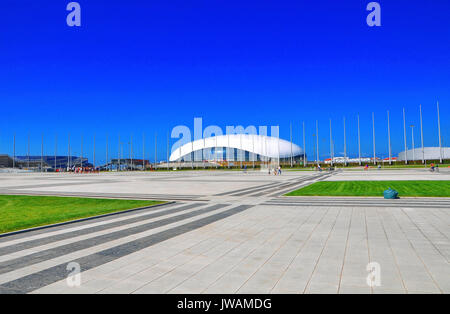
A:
231, 232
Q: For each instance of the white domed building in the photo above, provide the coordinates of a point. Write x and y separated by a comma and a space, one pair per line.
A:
238, 147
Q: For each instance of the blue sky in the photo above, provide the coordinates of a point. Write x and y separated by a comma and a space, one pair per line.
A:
137, 67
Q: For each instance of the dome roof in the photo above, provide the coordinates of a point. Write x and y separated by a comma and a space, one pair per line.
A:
268, 146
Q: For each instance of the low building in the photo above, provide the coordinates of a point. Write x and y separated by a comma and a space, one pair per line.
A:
44, 162
428, 153
348, 160
6, 161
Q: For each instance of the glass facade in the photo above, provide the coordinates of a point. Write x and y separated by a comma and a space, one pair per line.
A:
228, 154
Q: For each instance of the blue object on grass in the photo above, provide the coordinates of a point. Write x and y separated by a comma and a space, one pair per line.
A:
390, 194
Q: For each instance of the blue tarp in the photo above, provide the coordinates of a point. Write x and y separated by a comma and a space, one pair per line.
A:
390, 194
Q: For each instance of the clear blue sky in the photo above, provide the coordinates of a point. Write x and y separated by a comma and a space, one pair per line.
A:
147, 66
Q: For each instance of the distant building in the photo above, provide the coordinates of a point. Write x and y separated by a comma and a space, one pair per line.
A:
348, 160
6, 161
392, 159
46, 162
238, 148
126, 163
429, 153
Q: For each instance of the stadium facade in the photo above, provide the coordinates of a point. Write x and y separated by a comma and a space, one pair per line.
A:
43, 162
429, 153
238, 148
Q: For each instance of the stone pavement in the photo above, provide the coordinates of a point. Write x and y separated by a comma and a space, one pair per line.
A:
231, 232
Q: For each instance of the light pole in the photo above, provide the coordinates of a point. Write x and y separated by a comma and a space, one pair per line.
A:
94, 152
253, 155
28, 153
68, 152
291, 145
143, 151
122, 154
42, 152
81, 160
359, 143
389, 139
14, 151
439, 131
421, 135
129, 156
404, 137
131, 152
107, 157
373, 139
168, 143
156, 150
317, 140
192, 154
331, 145
412, 138
304, 147
56, 148
345, 146
315, 152
118, 155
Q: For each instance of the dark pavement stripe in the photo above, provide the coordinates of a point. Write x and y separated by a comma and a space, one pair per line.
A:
246, 189
45, 185
51, 239
43, 278
289, 184
333, 204
74, 224
42, 256
103, 195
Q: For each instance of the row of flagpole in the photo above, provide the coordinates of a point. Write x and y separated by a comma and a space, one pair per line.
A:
71, 163
316, 135
316, 148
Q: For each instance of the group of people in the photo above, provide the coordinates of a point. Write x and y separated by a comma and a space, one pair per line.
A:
275, 171
434, 168
366, 167
82, 170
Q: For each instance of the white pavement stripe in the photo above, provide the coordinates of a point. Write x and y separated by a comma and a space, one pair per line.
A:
91, 235
86, 225
22, 272
121, 274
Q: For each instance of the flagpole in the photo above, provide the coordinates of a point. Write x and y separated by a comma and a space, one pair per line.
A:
345, 146
143, 151
404, 137
317, 140
331, 145
389, 139
304, 148
439, 130
421, 135
373, 139
359, 142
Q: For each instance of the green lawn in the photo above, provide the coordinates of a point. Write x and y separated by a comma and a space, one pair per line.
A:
375, 188
22, 212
